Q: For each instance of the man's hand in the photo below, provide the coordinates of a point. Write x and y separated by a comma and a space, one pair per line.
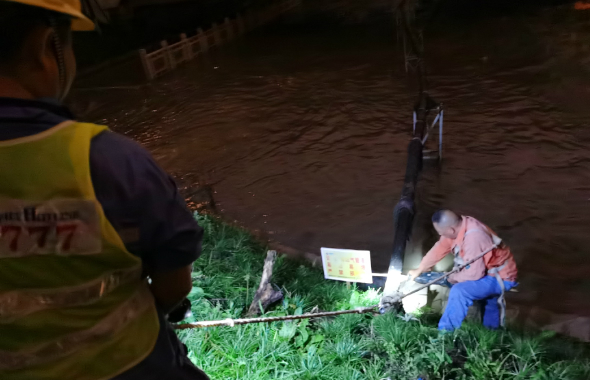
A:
170, 288
414, 273
389, 301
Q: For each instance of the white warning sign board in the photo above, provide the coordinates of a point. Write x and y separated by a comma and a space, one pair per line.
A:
347, 265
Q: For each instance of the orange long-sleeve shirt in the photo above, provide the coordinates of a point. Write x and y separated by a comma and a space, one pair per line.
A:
473, 239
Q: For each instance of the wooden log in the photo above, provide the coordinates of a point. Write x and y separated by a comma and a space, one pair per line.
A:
265, 295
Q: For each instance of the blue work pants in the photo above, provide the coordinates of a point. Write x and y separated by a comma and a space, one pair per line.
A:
462, 296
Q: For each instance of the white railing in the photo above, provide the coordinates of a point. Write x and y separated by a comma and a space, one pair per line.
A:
168, 57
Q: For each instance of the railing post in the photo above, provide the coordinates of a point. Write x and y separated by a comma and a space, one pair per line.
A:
216, 34
229, 30
170, 64
186, 48
240, 23
147, 67
203, 40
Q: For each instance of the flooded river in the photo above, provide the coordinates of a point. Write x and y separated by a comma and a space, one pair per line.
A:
301, 131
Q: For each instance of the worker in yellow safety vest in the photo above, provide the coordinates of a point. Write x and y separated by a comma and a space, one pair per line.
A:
86, 216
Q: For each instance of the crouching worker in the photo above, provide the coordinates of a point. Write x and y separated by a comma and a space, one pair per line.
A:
485, 279
85, 216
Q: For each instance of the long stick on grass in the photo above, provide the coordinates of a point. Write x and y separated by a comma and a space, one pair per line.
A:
244, 321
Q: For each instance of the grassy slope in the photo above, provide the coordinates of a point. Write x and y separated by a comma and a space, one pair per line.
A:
350, 346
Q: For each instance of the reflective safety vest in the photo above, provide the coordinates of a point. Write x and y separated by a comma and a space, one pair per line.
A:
73, 304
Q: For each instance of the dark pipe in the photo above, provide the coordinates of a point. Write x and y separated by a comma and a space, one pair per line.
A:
403, 213
404, 210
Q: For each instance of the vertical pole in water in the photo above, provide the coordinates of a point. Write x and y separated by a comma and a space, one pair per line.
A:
216, 34
203, 40
147, 67
229, 29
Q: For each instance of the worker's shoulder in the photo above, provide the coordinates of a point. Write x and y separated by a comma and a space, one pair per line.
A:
472, 224
475, 230
113, 139
113, 146
114, 157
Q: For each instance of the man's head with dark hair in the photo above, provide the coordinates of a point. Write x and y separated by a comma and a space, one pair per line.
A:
437, 216
447, 223
36, 56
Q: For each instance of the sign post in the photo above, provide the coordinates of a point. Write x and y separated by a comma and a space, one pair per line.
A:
347, 265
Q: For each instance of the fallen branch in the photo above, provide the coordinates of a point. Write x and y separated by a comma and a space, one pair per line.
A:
266, 295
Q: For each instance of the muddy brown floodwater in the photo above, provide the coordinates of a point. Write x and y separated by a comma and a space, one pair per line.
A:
301, 130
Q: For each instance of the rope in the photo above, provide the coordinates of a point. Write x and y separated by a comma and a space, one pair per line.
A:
232, 322
361, 310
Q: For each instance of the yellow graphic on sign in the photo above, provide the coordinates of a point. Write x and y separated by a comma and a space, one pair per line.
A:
347, 265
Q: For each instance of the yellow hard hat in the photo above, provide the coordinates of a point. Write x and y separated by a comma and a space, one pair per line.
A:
68, 7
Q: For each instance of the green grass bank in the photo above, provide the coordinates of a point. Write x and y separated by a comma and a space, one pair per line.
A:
349, 347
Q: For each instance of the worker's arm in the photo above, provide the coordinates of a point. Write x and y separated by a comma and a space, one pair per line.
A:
474, 245
171, 287
436, 254
142, 202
